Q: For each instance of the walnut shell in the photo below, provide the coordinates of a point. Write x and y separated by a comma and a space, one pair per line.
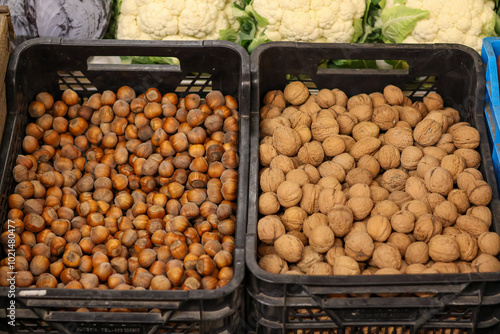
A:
420, 106
360, 206
403, 221
481, 212
416, 268
365, 146
447, 212
440, 118
359, 175
329, 198
312, 172
465, 267
282, 162
466, 137
399, 137
394, 179
385, 116
479, 192
435, 152
333, 145
467, 177
293, 218
325, 98
362, 112
401, 241
268, 204
304, 133
273, 263
417, 252
454, 164
296, 93
269, 111
296, 117
445, 268
345, 160
489, 243
415, 187
472, 225
267, 153
410, 115
433, 199
286, 141
388, 157
460, 199
360, 99
309, 257
289, 248
330, 168
346, 122
471, 157
289, 194
399, 197
268, 126
433, 101
439, 180
379, 228
385, 208
486, 263
298, 176
359, 246
275, 98
270, 228
427, 227
310, 198
345, 265
359, 190
427, 132
340, 220
378, 194
330, 182
393, 95
323, 128
426, 163
270, 179
446, 143
321, 239
313, 221
387, 256
340, 97
443, 248
377, 99
365, 129
311, 108
333, 254
410, 156
467, 245
311, 153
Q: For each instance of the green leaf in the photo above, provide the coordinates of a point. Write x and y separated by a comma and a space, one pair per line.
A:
358, 30
497, 25
397, 64
399, 21
229, 35
113, 21
261, 21
150, 60
261, 39
400, 2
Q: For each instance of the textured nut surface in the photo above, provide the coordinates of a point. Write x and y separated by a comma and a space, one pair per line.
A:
270, 228
296, 93
489, 243
333, 145
387, 256
359, 246
273, 263
472, 225
345, 265
321, 238
379, 228
271, 178
385, 116
289, 247
360, 206
403, 221
467, 245
309, 257
310, 198
323, 128
479, 192
289, 194
417, 252
427, 132
394, 179
293, 218
268, 204
389, 157
340, 220
311, 153
359, 175
438, 180
393, 95
486, 263
443, 248
365, 146
399, 137
466, 137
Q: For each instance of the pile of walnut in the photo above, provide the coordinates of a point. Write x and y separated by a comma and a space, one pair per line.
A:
372, 184
120, 191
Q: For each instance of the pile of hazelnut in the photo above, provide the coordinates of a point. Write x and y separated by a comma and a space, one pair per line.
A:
120, 191
372, 184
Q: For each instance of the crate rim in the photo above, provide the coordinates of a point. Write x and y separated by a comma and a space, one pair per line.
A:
244, 109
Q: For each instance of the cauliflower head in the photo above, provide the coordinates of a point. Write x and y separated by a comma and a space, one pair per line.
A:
452, 21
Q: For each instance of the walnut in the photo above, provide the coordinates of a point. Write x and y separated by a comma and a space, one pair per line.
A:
333, 145
426, 163
415, 187
399, 197
359, 175
321, 239
452, 128
433, 101
293, 218
378, 194
370, 163
273, 263
298, 176
427, 132
301, 236
362, 112
269, 111
345, 265
365, 146
400, 137
486, 263
479, 192
460, 199
447, 212
267, 154
345, 160
358, 226
416, 268
446, 143
365, 129
427, 227
379, 228
472, 225
377, 99
467, 245
410, 156
402, 124
410, 115
313, 221
330, 182
268, 126
451, 231
320, 268
282, 162
286, 141
311, 153
466, 137
310, 108
267, 140
309, 257
312, 172
329, 198
264, 249
433, 199
310, 198
360, 99
489, 243
393, 95
417, 207
289, 193
289, 248
385, 116
399, 240
387, 271
270, 228
455, 115
270, 179
346, 122
360, 206
465, 267
340, 220
334, 253
296, 93
387, 256
403, 221
340, 97
420, 106
454, 164
359, 190
445, 268
467, 177
443, 248
359, 246
471, 157
394, 179
325, 98
439, 180
440, 118
268, 204
388, 156
330, 168
304, 133
417, 252
336, 110
275, 98
385, 208
435, 152
481, 212
323, 128
349, 142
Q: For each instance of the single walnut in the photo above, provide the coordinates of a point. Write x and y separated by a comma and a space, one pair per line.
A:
289, 194
427, 132
469, 175
330, 168
400, 137
364, 146
427, 227
403, 221
268, 204
310, 198
385, 208
465, 267
402, 124
298, 176
443, 248
321, 238
410, 115
479, 192
417, 252
313, 221
325, 98
270, 179
340, 220
377, 99
387, 256
304, 133
286, 141
309, 257
269, 126
481, 212
340, 97
333, 145
455, 126
415, 187
433, 101
399, 197
446, 143
312, 172
359, 190
489, 243
467, 245
410, 156
282, 162
433, 199
264, 249
385, 116
447, 212
320, 268
420, 106
329, 198
311, 153
267, 140
416, 268
297, 118
379, 228
294, 218
399, 240
466, 137
445, 268
472, 225
296, 93
359, 246
394, 179
393, 95
270, 228
452, 231
359, 175
345, 160
439, 180
359, 226
426, 163
460, 199
275, 98
440, 118
334, 253
273, 263
349, 142
360, 99
388, 157
346, 122
330, 182
360, 206
453, 164
486, 263
471, 157
267, 154
323, 128
362, 112
378, 194
345, 265
269, 111
365, 129
310, 108
435, 152
289, 248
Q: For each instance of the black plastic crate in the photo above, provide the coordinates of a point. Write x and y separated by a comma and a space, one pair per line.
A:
53, 65
302, 304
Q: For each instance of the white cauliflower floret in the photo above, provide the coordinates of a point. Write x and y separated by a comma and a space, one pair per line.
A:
128, 27
452, 21
156, 20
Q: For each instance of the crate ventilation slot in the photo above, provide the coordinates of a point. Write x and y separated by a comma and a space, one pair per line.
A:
455, 315
302, 315
195, 83
30, 326
306, 80
421, 86
75, 80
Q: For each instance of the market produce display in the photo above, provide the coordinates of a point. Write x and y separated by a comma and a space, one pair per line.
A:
370, 184
125, 192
